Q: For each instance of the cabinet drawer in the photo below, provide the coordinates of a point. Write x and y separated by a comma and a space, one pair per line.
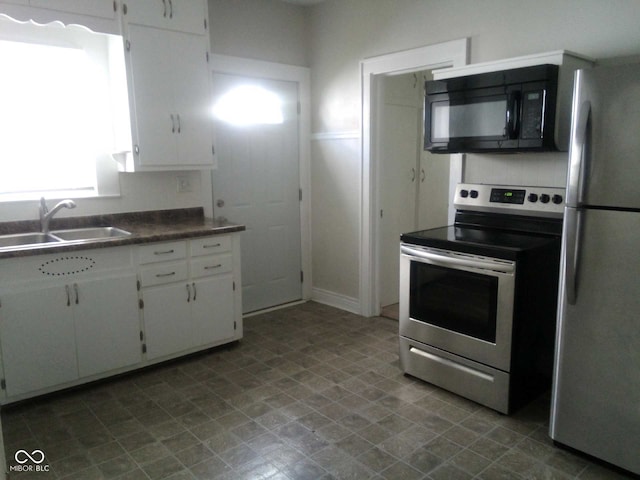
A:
203, 267
210, 245
160, 252
165, 273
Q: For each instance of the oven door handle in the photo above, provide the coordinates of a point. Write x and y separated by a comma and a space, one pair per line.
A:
446, 261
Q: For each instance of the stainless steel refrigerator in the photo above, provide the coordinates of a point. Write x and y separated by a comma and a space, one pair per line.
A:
596, 386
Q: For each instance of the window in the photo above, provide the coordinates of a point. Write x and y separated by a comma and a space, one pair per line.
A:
249, 105
61, 111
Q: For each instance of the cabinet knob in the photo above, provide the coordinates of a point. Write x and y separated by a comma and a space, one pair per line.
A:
220, 203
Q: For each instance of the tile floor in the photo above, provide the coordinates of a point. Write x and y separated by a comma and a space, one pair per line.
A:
311, 392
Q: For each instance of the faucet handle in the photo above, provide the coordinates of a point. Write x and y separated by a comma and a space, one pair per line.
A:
43, 205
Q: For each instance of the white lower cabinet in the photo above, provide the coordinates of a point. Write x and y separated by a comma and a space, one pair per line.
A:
67, 317
212, 310
191, 303
38, 339
74, 317
107, 325
167, 319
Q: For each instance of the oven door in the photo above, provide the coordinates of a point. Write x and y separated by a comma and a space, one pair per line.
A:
459, 303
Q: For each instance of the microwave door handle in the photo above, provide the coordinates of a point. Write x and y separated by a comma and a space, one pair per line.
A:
513, 115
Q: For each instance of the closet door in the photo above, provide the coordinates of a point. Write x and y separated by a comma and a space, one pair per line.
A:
401, 113
433, 191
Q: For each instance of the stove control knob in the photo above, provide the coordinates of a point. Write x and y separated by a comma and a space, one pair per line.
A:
557, 199
533, 197
474, 194
464, 193
544, 198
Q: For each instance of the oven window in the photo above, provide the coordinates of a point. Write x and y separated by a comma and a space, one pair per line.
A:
456, 300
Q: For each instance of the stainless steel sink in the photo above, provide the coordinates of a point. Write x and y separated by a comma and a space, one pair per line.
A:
90, 233
25, 239
17, 241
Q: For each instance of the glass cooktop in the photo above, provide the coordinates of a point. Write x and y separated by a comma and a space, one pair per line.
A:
480, 241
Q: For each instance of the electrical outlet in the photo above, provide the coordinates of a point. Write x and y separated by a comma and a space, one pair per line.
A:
184, 184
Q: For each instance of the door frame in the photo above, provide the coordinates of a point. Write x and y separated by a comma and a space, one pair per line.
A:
447, 54
300, 75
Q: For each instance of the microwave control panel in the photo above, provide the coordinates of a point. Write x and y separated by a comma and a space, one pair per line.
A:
532, 113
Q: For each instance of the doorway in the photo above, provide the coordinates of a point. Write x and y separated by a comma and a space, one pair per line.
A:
447, 54
414, 184
261, 175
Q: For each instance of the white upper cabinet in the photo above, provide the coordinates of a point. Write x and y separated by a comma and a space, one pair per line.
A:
180, 15
169, 90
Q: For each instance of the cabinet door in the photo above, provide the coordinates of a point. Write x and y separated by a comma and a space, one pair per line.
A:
212, 311
192, 99
154, 118
38, 339
187, 16
180, 15
107, 325
167, 320
96, 8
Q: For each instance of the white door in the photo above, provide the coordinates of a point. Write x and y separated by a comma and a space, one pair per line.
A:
414, 185
433, 190
399, 176
257, 183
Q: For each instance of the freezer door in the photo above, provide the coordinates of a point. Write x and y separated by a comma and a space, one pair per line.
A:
596, 391
604, 150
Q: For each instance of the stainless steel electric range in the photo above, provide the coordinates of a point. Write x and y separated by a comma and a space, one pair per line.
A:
478, 298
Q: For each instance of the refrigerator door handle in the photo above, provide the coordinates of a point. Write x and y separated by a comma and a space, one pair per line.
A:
576, 154
572, 239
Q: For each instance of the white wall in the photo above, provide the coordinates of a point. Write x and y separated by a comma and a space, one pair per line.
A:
344, 32
138, 192
269, 30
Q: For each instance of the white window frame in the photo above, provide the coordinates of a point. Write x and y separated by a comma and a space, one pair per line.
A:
109, 50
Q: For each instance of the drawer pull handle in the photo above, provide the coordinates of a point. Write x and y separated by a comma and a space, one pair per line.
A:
164, 252
211, 267
212, 246
160, 275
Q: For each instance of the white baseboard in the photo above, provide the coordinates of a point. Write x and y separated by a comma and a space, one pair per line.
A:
332, 299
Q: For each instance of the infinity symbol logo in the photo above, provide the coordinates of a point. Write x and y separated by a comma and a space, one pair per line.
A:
37, 456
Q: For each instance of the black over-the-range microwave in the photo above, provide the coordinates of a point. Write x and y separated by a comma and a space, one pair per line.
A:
506, 111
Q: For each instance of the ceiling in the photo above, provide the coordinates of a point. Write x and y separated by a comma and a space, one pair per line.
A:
304, 3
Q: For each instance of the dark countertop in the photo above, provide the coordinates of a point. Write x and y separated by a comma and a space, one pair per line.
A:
145, 227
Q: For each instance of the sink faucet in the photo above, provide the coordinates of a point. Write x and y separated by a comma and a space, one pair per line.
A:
46, 214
